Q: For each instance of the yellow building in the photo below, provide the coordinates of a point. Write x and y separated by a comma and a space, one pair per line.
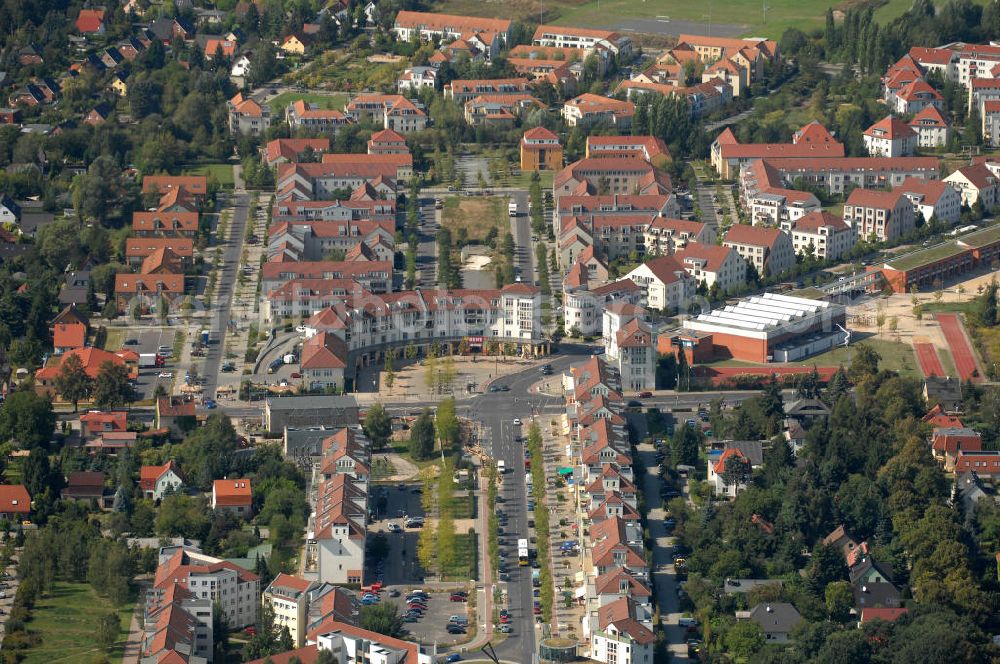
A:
119, 85
540, 150
294, 45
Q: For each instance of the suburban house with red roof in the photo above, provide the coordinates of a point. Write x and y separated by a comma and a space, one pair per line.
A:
324, 358
717, 469
15, 503
948, 443
91, 358
233, 496
540, 150
96, 422
767, 249
90, 21
890, 137
69, 329
827, 234
176, 414
883, 215
157, 481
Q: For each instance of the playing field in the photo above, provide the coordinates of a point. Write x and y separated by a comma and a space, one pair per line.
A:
718, 18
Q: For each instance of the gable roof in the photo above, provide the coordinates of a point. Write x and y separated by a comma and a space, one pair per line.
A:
90, 20
891, 128
232, 493
760, 236
779, 617
14, 499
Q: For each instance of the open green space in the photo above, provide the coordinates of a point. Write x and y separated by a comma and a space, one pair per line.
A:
66, 620
464, 566
329, 102
896, 356
223, 173
115, 339
523, 180
740, 17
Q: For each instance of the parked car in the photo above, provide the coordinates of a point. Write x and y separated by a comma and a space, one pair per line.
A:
459, 598
453, 657
506, 629
644, 395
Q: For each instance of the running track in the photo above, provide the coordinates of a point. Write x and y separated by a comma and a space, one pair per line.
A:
954, 335
928, 358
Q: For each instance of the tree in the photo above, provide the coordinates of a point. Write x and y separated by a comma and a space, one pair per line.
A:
181, 515
27, 419
72, 382
684, 446
422, 436
839, 601
36, 473
108, 628
382, 618
378, 426
736, 471
986, 305
446, 422
743, 639
112, 388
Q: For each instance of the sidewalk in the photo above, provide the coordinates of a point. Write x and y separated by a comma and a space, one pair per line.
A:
485, 592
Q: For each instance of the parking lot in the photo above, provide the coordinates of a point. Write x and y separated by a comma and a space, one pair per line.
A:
148, 340
392, 505
432, 627
8, 588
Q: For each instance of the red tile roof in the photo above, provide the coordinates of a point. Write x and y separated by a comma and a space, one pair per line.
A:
14, 499
819, 219
873, 198
540, 133
753, 235
90, 20
232, 493
891, 128
889, 615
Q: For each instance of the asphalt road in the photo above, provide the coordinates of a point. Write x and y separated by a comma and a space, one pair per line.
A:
427, 246
497, 411
521, 230
223, 300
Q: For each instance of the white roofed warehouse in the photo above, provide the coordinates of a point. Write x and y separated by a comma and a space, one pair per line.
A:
771, 328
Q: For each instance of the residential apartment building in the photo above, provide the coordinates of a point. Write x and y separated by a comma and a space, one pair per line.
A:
540, 150
446, 27
837, 175
713, 265
235, 590
609, 175
665, 235
766, 199
729, 156
299, 604
177, 626
589, 110
340, 530
933, 130
884, 216
977, 183
649, 148
890, 137
667, 286
630, 345
248, 117
374, 276
768, 249
305, 115
499, 110
585, 296
464, 90
917, 96
414, 79
583, 38
822, 235
394, 112
935, 198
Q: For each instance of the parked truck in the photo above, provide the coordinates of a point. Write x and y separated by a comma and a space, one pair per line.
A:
204, 337
512, 209
150, 360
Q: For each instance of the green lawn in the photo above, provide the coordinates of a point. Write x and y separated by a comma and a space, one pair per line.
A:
464, 566
925, 256
281, 102
524, 180
115, 339
747, 15
895, 356
66, 621
223, 172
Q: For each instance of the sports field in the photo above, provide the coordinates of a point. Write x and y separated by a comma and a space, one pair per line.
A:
720, 18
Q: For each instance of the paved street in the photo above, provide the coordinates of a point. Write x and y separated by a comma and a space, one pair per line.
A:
524, 258
223, 298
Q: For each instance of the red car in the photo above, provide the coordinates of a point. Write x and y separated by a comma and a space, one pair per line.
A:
538, 610
252, 631
644, 395
459, 598
504, 620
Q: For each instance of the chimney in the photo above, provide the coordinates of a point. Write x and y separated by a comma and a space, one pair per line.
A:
769, 609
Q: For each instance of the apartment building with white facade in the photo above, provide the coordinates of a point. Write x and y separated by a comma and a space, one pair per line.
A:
883, 215
630, 345
666, 284
935, 198
767, 249
822, 234
235, 590
714, 265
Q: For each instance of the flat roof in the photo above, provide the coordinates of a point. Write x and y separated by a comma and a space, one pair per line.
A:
926, 256
982, 237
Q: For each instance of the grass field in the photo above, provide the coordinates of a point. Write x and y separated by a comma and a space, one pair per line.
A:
524, 180
115, 339
329, 102
66, 620
222, 172
730, 18
895, 356
465, 559
473, 213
